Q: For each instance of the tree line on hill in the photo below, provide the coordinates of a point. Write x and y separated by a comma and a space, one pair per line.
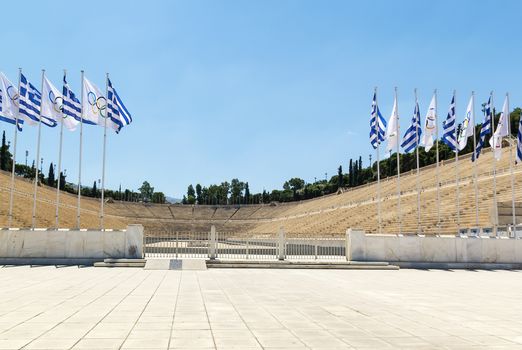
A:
145, 193
296, 189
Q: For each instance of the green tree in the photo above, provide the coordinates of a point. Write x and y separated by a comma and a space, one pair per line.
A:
158, 197
340, 179
247, 193
50, 176
62, 181
223, 191
94, 191
350, 174
265, 197
4, 154
236, 190
199, 195
294, 184
191, 195
146, 191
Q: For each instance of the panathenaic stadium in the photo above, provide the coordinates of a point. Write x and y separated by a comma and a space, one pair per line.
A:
329, 215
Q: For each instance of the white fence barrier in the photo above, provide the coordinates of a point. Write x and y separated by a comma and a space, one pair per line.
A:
237, 246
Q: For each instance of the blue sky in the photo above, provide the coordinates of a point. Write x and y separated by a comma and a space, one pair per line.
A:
259, 90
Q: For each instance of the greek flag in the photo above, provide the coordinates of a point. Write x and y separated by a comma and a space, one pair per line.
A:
519, 141
119, 116
9, 102
412, 136
449, 127
71, 105
30, 101
484, 130
377, 129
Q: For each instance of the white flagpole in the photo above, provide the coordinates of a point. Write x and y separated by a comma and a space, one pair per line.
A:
511, 169
104, 147
37, 156
457, 163
378, 166
495, 204
11, 192
398, 166
418, 173
437, 159
80, 161
475, 181
59, 163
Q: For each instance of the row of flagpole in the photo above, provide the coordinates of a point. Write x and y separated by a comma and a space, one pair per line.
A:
49, 106
454, 137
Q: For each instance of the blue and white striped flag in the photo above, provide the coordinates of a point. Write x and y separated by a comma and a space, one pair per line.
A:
9, 102
30, 101
412, 136
119, 116
377, 129
71, 105
519, 141
449, 127
484, 130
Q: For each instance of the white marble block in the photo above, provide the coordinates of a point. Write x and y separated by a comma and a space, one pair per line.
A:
393, 248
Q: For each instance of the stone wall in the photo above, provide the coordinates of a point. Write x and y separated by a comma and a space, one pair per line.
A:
71, 244
432, 249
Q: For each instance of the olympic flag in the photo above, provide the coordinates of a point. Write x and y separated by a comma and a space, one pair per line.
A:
52, 105
9, 102
502, 131
392, 131
430, 128
468, 126
94, 104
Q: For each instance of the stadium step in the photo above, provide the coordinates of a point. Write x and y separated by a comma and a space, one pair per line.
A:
348, 265
121, 263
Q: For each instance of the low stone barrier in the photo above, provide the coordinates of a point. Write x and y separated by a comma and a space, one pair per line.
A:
38, 246
466, 251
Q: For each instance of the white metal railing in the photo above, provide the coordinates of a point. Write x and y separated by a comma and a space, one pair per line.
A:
241, 246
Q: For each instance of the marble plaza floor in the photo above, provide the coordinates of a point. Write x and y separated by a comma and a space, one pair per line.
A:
102, 308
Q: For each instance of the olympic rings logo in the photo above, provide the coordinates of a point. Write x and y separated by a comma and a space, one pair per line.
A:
13, 94
98, 104
57, 102
430, 122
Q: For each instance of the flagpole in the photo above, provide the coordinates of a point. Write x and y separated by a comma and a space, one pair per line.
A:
104, 147
457, 163
495, 204
398, 166
378, 166
437, 159
80, 161
475, 181
418, 173
59, 163
11, 192
511, 169
37, 157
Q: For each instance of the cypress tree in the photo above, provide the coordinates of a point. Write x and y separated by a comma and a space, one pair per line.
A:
350, 174
50, 176
3, 154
